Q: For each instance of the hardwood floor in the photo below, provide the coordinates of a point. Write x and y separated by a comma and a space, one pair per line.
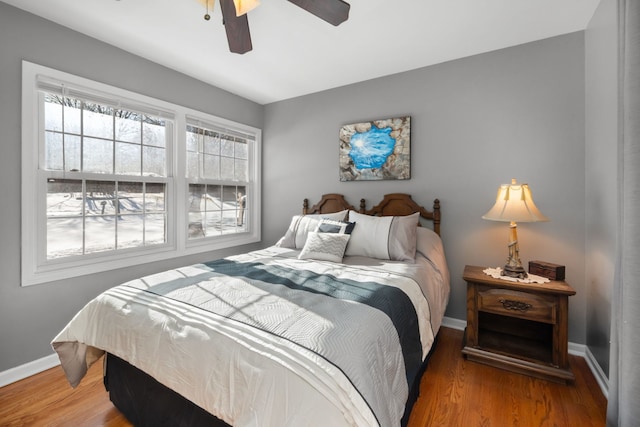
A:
454, 392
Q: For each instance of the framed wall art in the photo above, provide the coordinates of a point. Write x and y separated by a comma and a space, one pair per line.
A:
376, 150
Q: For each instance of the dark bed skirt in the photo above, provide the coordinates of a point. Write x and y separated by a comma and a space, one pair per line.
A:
147, 403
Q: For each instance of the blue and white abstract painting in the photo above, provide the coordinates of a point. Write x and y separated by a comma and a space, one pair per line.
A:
376, 150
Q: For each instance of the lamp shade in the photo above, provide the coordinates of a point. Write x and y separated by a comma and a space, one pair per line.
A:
244, 6
514, 203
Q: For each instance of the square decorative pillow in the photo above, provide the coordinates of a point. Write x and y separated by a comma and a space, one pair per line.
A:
332, 226
301, 225
325, 246
384, 237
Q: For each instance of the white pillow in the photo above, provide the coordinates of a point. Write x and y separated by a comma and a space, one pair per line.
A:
301, 225
429, 244
384, 237
325, 246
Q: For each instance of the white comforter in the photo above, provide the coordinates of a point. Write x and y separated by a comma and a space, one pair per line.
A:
248, 376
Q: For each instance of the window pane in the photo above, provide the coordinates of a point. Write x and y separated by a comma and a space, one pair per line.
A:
192, 165
192, 139
242, 150
72, 146
97, 155
100, 197
213, 223
128, 158
154, 200
64, 198
130, 197
228, 222
153, 132
128, 127
64, 237
155, 229
226, 148
241, 170
226, 169
53, 158
211, 145
52, 113
230, 197
241, 206
100, 233
64, 218
97, 121
211, 167
130, 231
195, 211
153, 162
72, 116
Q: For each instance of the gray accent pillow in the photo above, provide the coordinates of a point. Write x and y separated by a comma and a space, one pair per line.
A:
384, 237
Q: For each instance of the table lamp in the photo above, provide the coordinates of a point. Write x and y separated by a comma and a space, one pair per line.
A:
514, 204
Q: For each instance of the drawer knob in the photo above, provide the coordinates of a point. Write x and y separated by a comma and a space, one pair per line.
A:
510, 304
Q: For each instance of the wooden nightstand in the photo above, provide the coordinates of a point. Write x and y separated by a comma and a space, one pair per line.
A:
521, 327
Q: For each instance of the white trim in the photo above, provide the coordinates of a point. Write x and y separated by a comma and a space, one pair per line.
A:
28, 369
598, 373
452, 323
577, 349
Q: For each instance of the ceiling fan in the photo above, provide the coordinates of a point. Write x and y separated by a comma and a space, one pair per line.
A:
234, 16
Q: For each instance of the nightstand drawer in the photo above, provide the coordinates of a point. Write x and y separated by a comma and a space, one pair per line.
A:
540, 308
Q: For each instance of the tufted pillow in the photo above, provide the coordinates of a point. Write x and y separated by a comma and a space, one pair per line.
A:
384, 237
325, 246
301, 225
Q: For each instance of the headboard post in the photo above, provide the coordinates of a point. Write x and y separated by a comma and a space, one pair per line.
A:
305, 206
363, 206
436, 216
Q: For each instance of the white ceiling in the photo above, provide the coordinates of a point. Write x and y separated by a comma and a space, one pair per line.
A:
295, 53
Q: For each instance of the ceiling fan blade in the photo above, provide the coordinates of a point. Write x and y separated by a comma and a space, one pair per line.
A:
237, 28
333, 11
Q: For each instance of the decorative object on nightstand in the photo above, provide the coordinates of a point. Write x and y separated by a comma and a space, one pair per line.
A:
547, 269
520, 327
514, 204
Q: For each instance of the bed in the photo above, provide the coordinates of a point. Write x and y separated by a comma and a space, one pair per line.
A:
332, 325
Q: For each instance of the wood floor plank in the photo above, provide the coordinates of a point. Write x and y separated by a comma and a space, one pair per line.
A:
453, 392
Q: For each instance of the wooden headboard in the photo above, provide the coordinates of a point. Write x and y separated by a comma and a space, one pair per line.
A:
395, 204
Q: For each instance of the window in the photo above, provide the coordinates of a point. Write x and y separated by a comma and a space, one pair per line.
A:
218, 177
112, 178
118, 199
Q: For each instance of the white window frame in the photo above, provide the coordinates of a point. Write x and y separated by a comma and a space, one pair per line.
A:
35, 270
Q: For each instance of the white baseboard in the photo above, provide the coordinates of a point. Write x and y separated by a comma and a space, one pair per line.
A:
452, 323
31, 368
598, 373
580, 350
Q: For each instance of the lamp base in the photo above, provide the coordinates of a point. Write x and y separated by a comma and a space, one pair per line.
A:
514, 271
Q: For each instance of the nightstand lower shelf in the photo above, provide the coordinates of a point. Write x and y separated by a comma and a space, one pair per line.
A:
518, 365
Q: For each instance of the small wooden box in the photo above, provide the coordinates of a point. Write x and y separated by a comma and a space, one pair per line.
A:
547, 269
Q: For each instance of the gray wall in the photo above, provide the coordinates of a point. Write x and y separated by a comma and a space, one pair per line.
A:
477, 122
31, 316
601, 165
